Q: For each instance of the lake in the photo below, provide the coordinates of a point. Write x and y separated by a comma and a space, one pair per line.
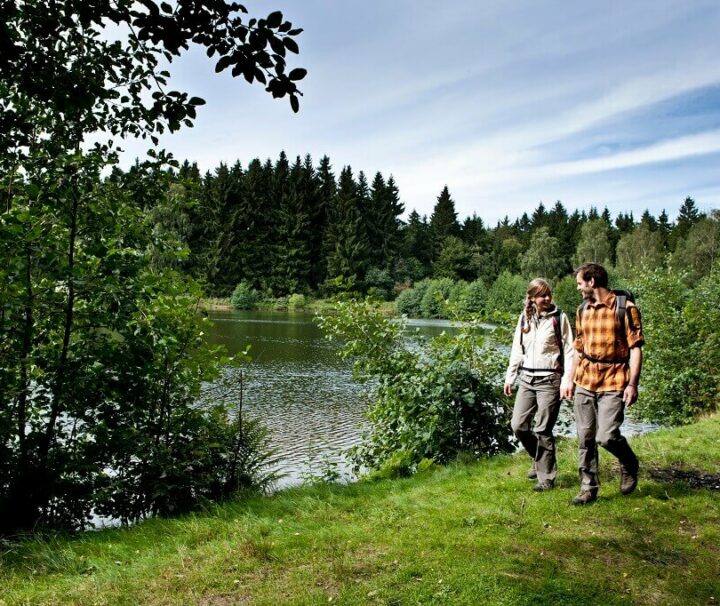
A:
298, 386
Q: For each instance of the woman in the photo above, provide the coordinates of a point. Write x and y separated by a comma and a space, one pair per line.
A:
540, 361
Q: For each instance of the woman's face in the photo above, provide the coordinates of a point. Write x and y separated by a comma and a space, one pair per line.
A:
543, 302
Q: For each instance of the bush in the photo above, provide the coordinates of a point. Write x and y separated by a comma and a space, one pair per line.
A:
379, 283
409, 301
457, 294
434, 303
566, 296
475, 297
432, 401
296, 301
244, 297
507, 294
680, 378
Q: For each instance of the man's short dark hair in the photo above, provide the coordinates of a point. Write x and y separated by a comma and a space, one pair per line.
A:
595, 271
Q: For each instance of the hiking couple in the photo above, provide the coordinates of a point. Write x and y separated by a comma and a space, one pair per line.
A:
601, 365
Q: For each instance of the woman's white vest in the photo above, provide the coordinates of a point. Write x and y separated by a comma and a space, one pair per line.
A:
537, 352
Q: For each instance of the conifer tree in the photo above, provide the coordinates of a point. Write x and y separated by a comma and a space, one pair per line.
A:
687, 217
345, 237
293, 263
254, 241
523, 228
383, 222
416, 241
454, 260
539, 217
665, 230
326, 191
443, 222
624, 223
648, 220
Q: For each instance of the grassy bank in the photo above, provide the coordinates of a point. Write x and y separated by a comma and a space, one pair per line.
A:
466, 534
312, 305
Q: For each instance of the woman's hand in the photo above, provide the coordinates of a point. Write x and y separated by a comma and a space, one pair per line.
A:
566, 390
507, 389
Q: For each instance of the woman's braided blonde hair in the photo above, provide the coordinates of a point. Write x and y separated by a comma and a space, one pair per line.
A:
537, 288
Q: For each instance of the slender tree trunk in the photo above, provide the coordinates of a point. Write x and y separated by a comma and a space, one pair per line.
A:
58, 389
20, 512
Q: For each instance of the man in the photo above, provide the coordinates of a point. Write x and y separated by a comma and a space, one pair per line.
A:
606, 373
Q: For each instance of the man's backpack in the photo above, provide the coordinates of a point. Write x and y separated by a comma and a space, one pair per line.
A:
558, 337
621, 316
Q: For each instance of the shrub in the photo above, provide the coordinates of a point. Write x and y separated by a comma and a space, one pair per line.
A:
409, 301
457, 294
435, 300
244, 297
507, 294
431, 401
296, 301
566, 296
379, 283
680, 378
475, 297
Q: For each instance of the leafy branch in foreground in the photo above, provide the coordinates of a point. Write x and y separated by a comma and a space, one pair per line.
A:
433, 398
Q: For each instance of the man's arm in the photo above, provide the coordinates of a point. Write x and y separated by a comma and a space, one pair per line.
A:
567, 388
566, 391
631, 391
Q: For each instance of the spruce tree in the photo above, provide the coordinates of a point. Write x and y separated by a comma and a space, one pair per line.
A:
559, 228
326, 191
539, 217
687, 217
665, 230
443, 222
649, 221
346, 241
254, 246
383, 222
416, 242
294, 231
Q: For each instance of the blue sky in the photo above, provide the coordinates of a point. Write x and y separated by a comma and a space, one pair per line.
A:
510, 104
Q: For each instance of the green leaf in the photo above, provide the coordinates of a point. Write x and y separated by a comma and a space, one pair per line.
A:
297, 74
291, 45
274, 20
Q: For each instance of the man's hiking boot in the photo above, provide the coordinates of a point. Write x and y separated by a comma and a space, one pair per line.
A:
532, 474
544, 485
628, 478
584, 498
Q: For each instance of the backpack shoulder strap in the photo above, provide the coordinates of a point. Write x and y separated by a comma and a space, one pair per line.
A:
556, 321
621, 312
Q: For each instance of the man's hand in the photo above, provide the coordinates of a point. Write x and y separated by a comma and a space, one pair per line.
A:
630, 395
566, 390
507, 389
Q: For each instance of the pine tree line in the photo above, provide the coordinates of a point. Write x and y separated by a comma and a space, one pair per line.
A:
283, 228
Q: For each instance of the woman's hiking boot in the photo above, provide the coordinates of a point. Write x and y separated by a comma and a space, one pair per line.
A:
532, 474
544, 485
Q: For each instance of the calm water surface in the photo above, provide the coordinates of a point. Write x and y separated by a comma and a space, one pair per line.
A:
303, 392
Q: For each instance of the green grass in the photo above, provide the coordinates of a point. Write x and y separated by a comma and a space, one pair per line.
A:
465, 534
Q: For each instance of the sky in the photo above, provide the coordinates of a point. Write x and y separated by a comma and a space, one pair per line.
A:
508, 103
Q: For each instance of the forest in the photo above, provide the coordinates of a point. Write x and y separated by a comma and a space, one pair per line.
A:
287, 227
